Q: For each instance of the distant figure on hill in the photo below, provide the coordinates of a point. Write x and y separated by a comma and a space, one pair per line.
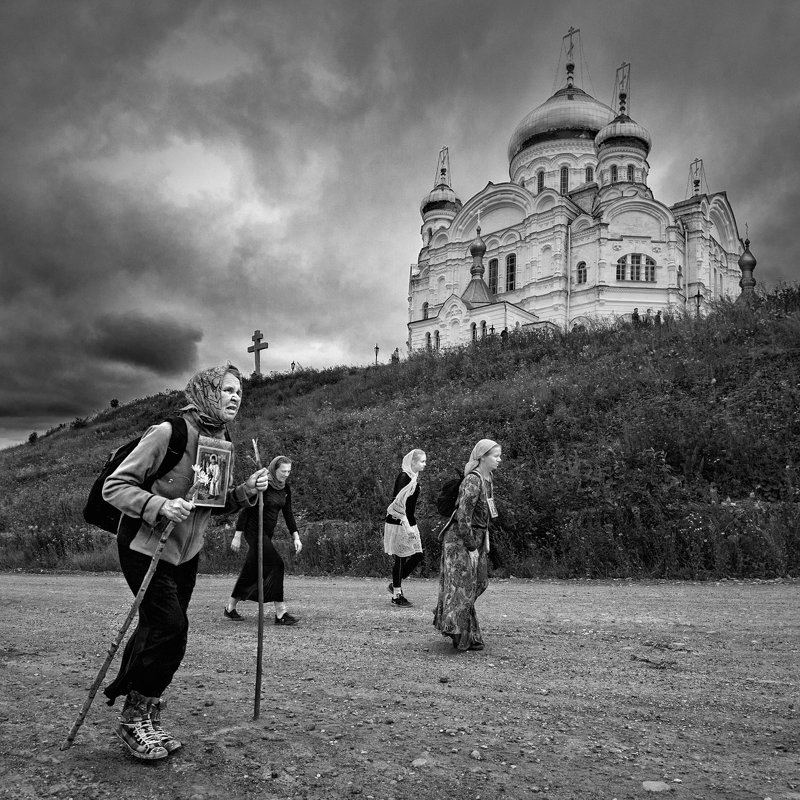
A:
277, 500
635, 318
401, 537
396, 356
465, 546
156, 648
657, 318
504, 337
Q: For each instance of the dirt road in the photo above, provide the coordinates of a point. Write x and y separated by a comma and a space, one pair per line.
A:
585, 690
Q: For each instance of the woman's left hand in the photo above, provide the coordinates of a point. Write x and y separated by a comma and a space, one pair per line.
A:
298, 545
259, 480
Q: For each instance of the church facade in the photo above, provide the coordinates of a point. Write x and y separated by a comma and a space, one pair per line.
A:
574, 236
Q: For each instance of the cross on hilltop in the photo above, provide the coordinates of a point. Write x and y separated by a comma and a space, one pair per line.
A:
256, 349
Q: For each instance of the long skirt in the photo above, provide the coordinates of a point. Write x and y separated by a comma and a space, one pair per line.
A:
246, 587
460, 585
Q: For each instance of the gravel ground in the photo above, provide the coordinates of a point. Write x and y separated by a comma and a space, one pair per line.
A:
586, 689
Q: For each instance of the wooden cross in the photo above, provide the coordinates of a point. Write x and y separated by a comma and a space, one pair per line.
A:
256, 348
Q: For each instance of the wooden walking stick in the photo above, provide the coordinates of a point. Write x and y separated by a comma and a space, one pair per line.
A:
112, 650
260, 648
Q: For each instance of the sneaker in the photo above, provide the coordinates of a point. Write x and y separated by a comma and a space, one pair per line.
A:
476, 646
390, 587
136, 731
168, 741
234, 615
286, 619
400, 600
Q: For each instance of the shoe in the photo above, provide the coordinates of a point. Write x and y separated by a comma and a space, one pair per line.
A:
400, 600
234, 615
390, 587
168, 741
286, 619
476, 646
136, 731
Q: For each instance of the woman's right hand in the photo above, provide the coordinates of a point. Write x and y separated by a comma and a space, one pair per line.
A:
473, 558
236, 542
176, 510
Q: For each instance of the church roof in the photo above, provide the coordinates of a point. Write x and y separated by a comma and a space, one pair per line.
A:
623, 128
477, 293
569, 112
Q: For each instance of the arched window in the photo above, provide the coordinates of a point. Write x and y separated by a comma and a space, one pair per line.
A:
428, 341
589, 174
636, 266
483, 328
630, 173
511, 272
621, 269
649, 269
539, 181
493, 276
436, 340
474, 327
582, 272
425, 310
564, 182
614, 175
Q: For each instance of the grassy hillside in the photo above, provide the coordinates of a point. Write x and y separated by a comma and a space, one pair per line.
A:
643, 451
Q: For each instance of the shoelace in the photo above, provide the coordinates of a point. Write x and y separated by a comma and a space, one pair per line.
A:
145, 734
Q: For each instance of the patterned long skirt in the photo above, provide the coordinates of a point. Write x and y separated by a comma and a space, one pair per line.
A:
460, 585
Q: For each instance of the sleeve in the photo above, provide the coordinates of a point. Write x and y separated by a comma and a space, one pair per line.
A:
287, 511
411, 506
123, 488
467, 499
400, 481
241, 520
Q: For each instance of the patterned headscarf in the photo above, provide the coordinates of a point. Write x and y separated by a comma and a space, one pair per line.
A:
274, 481
397, 508
204, 392
480, 450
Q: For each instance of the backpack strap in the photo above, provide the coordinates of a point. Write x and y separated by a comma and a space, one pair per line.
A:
175, 450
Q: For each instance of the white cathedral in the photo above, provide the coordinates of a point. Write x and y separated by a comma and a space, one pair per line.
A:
575, 235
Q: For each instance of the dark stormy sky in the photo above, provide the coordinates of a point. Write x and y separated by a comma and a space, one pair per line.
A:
176, 174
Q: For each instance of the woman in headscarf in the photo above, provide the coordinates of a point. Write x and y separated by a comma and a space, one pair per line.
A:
155, 649
401, 537
465, 545
277, 500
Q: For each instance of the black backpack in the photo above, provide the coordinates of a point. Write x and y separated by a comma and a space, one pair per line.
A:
447, 498
102, 514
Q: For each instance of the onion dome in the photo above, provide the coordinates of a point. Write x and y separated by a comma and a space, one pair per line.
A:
570, 113
624, 131
441, 197
478, 248
747, 260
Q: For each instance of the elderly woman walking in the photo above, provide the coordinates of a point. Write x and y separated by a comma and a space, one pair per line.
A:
465, 545
155, 649
401, 537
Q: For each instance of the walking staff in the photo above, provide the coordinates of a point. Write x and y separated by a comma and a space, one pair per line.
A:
260, 648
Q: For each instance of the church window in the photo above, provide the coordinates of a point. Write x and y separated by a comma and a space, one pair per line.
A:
582, 272
636, 267
614, 175
630, 173
621, 269
539, 181
589, 174
483, 328
436, 340
493, 276
474, 327
425, 310
564, 180
428, 341
649, 269
511, 272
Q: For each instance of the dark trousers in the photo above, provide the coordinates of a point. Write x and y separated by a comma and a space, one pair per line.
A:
246, 587
156, 648
403, 566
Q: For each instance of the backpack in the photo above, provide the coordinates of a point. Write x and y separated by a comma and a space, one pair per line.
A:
102, 514
447, 498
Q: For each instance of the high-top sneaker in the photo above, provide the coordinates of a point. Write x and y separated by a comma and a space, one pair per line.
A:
136, 731
168, 741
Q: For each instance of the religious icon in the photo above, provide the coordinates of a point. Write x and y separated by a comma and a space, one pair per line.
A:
212, 468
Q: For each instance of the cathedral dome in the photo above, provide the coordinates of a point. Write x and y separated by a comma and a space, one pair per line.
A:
478, 247
624, 130
438, 198
570, 113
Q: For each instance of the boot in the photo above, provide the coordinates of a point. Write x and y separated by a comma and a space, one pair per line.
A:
168, 741
136, 731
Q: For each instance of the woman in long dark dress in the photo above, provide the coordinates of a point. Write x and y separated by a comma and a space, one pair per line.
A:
401, 538
465, 546
277, 500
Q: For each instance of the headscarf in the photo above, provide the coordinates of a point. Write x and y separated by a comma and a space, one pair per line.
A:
397, 508
480, 450
274, 481
203, 393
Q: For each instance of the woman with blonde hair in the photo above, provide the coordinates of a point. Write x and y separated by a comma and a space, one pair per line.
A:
401, 537
465, 546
